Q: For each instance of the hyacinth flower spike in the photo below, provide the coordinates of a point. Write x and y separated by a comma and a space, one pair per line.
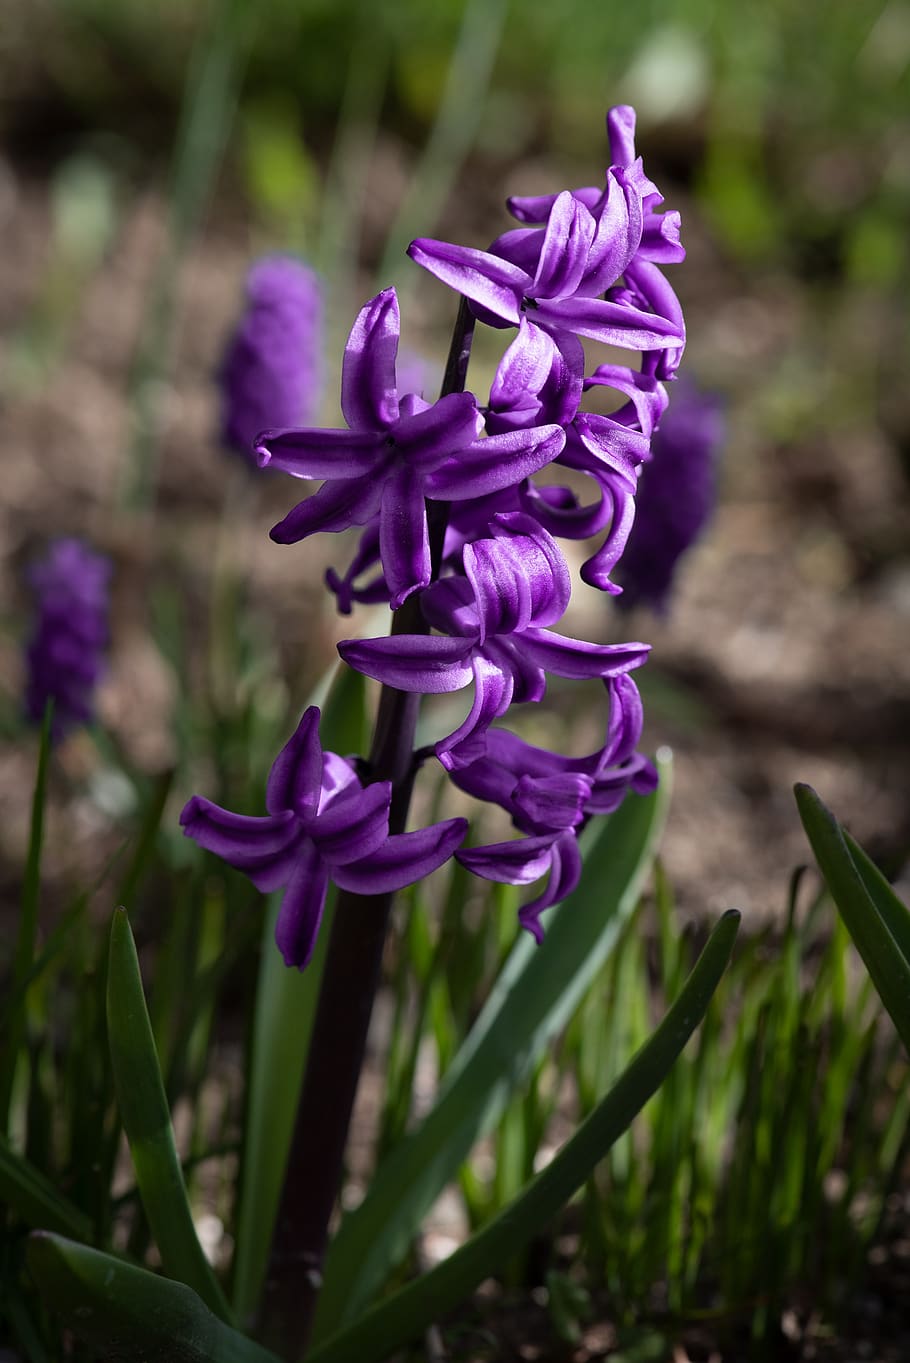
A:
65, 655
494, 621
397, 452
322, 825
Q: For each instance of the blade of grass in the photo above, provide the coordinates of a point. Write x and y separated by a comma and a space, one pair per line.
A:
28, 926
32, 1196
892, 911
390, 1324
147, 1122
129, 1313
880, 950
533, 999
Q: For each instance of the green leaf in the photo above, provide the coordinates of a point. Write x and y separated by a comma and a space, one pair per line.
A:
32, 1196
285, 1006
129, 1313
390, 1324
893, 911
147, 1122
867, 925
28, 925
535, 996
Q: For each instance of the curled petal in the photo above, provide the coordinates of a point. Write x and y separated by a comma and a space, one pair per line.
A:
565, 873
320, 454
613, 323
412, 662
353, 824
552, 802
428, 437
402, 859
301, 908
295, 779
625, 723
519, 862
493, 464
484, 278
263, 848
404, 542
576, 659
596, 570
621, 132
535, 208
493, 687
566, 246
336, 506
369, 393
619, 229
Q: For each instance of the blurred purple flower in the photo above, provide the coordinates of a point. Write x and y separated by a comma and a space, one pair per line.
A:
676, 495
271, 374
322, 825
65, 656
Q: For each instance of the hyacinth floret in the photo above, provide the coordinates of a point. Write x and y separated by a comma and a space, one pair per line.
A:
65, 656
458, 532
322, 824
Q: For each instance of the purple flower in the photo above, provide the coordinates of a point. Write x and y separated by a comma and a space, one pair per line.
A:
676, 495
322, 825
493, 619
551, 797
397, 452
271, 374
65, 656
578, 258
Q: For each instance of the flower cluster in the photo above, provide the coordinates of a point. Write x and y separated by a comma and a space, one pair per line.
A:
65, 655
271, 373
453, 523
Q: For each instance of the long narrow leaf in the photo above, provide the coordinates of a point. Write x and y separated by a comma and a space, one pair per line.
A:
285, 1005
129, 1313
147, 1122
893, 911
534, 998
28, 924
32, 1196
387, 1326
880, 951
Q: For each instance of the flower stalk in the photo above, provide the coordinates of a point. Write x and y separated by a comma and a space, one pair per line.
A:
347, 992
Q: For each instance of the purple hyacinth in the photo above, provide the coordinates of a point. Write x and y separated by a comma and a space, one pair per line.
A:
494, 631
677, 492
65, 656
398, 451
271, 374
322, 825
550, 798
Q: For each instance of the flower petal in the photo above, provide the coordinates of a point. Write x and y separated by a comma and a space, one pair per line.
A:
423, 663
496, 463
369, 393
484, 278
320, 454
493, 689
296, 775
337, 505
613, 323
404, 541
263, 848
354, 824
402, 859
565, 873
428, 437
518, 862
576, 659
565, 250
301, 908
550, 803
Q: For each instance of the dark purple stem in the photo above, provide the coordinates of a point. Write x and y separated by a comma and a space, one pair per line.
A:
350, 979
